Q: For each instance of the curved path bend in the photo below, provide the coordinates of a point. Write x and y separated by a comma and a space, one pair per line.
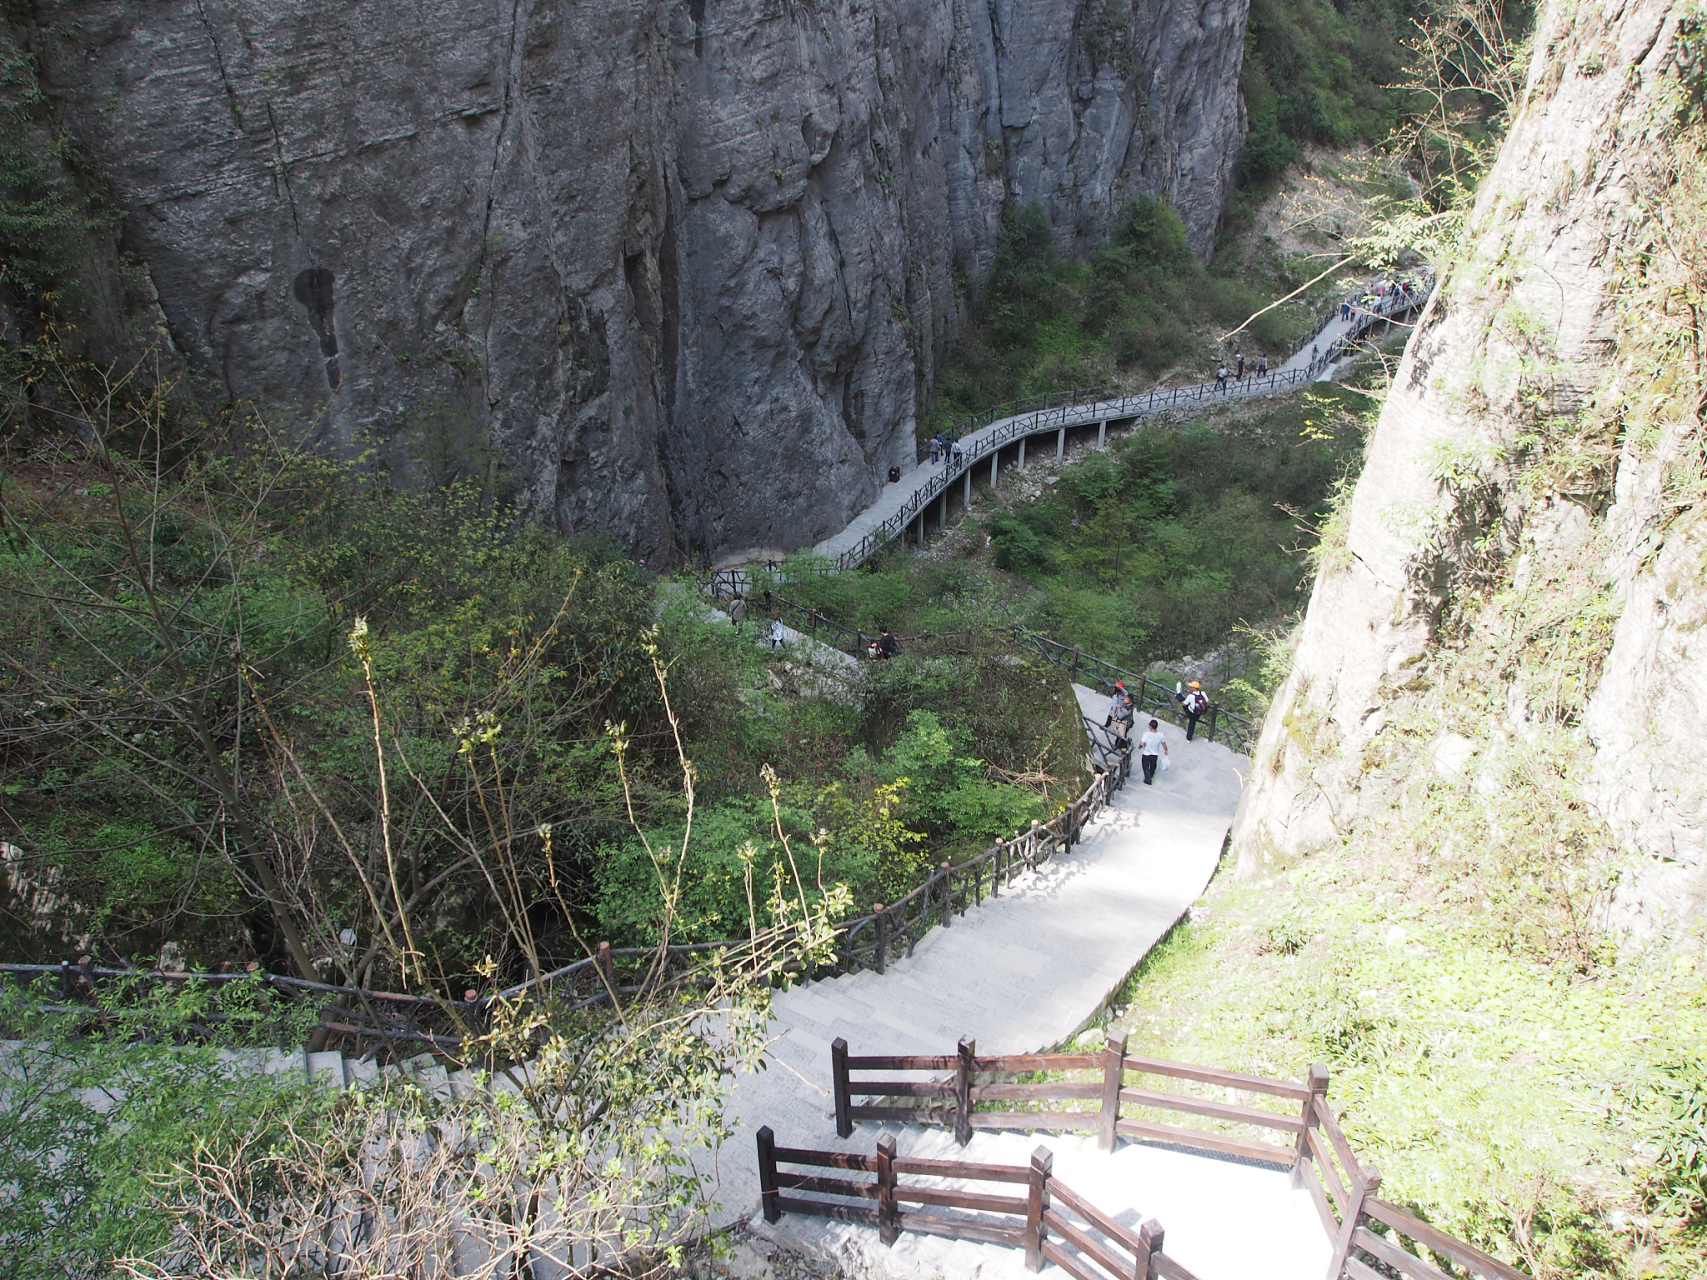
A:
1019, 974
909, 498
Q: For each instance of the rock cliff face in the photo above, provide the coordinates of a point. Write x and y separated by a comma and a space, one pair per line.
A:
1538, 461
689, 265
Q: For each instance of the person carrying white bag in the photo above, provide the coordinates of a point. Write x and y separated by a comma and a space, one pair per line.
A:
1152, 749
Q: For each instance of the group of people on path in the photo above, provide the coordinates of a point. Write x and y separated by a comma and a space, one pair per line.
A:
1152, 743
945, 449
1237, 372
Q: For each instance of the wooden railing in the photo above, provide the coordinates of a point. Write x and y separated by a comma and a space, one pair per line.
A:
442, 1023
1371, 1238
1051, 1221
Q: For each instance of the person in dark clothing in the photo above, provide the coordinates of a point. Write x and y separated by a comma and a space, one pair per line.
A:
887, 645
1195, 704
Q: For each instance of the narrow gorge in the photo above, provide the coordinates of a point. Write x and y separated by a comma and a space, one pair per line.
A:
688, 268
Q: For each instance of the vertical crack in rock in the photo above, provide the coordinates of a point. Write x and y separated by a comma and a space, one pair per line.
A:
692, 214
313, 289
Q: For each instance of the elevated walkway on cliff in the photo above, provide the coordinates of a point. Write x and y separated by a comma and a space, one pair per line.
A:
1002, 438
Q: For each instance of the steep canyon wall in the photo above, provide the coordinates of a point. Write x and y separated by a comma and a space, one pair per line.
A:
1529, 516
689, 265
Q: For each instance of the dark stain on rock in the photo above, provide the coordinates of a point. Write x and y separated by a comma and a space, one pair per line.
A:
313, 289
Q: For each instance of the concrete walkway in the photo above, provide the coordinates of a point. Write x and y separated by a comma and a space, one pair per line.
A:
892, 499
1023, 973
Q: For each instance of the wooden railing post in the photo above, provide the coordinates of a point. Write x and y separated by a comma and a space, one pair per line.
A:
608, 970
966, 1050
768, 1194
839, 1083
1113, 1077
1317, 1083
1214, 711
1001, 875
1149, 1245
882, 937
1032, 845
947, 897
1364, 1183
888, 1211
1037, 1200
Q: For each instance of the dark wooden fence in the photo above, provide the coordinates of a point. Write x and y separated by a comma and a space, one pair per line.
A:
1283, 1123
1050, 1221
442, 1022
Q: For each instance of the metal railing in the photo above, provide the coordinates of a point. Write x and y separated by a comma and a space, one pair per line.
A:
1073, 409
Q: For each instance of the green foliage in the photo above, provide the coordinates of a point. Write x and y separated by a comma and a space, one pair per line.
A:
1319, 71
1043, 322
1475, 1077
949, 794
1177, 535
98, 1112
262, 561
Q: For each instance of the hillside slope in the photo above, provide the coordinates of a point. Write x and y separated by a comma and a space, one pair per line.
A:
1513, 601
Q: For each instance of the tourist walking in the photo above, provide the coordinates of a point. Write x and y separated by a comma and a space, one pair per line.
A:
1151, 748
887, 645
955, 453
1241, 360
777, 634
936, 448
1221, 377
1345, 309
1195, 703
1120, 708
1262, 364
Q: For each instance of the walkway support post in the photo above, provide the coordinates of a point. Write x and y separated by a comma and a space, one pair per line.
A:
888, 1212
1150, 1238
966, 499
1102, 433
1022, 453
1113, 1076
1364, 1183
995, 460
768, 1194
1061, 444
1036, 1201
839, 1081
965, 1052
1317, 1083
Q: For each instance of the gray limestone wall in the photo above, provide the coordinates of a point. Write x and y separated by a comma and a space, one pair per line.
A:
1532, 333
689, 266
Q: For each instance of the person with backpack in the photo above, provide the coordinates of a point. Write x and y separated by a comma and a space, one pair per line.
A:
1151, 748
1194, 704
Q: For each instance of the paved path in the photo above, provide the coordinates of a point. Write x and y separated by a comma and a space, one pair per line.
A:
901, 496
1023, 973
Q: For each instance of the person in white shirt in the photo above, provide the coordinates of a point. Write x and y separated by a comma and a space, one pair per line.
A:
1151, 748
